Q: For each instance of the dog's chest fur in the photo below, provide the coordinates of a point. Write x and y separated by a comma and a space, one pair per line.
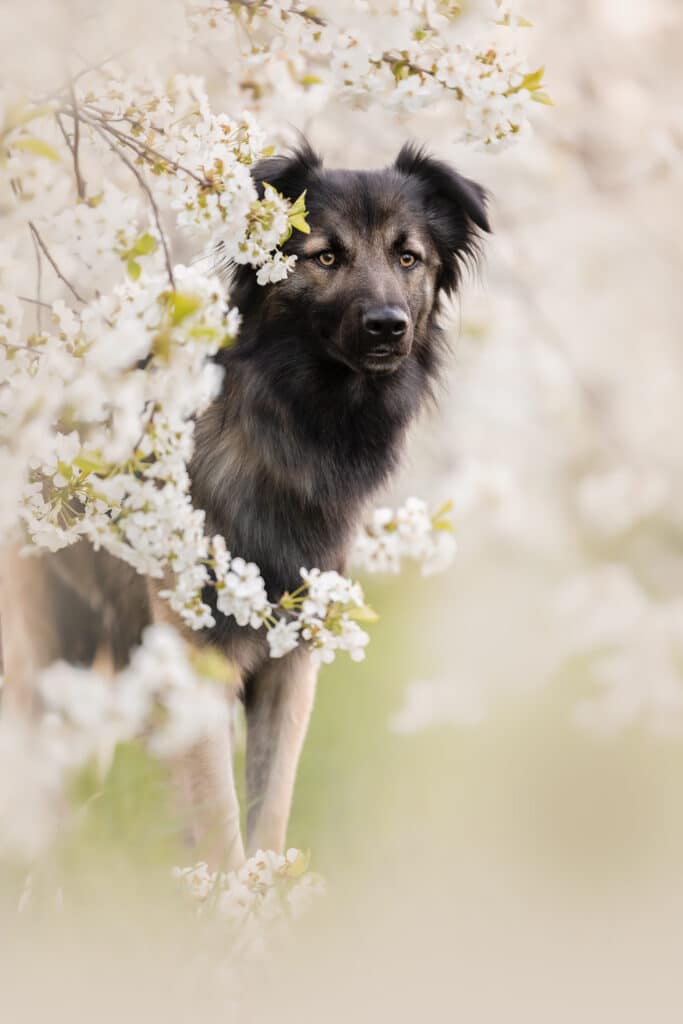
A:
284, 467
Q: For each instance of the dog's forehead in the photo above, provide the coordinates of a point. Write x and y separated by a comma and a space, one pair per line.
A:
363, 202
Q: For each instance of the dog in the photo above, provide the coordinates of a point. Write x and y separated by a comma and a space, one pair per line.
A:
330, 369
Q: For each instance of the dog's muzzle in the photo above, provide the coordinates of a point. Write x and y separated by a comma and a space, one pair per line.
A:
385, 338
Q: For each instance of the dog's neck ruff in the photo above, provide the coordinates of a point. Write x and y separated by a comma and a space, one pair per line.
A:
288, 456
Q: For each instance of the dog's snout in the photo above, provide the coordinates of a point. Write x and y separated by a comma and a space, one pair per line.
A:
385, 323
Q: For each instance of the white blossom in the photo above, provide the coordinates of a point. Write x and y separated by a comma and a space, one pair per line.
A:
257, 901
159, 697
283, 637
411, 532
242, 593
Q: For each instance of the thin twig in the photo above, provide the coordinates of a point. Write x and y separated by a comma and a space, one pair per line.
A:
148, 192
95, 67
34, 302
307, 14
80, 184
142, 149
39, 282
46, 253
63, 130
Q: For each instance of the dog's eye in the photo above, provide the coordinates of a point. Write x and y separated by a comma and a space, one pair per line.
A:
326, 259
408, 260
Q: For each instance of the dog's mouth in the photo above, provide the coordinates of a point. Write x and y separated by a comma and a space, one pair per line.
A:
383, 360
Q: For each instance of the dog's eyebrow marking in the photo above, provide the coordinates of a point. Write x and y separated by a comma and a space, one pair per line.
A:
320, 241
406, 240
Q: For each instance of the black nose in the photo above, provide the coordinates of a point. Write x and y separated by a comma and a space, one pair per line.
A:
385, 323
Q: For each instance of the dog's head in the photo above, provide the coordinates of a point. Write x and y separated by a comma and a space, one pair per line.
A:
384, 246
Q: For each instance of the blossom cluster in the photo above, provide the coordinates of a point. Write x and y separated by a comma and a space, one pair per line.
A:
168, 698
108, 357
107, 342
161, 697
97, 404
266, 893
412, 54
323, 612
411, 532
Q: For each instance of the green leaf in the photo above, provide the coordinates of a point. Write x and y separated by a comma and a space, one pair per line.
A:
91, 462
144, 245
134, 269
299, 205
533, 80
443, 510
37, 146
518, 21
300, 224
182, 305
542, 97
21, 114
298, 213
299, 866
363, 614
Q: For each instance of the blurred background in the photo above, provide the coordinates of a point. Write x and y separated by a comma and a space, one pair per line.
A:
513, 742
494, 796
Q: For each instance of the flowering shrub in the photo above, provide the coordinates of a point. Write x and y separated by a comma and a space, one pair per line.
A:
125, 196
557, 440
99, 387
410, 53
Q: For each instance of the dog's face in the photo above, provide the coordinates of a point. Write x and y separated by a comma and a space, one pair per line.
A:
383, 246
367, 272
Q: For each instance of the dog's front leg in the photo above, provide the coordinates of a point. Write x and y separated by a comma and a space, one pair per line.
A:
204, 776
208, 801
278, 700
29, 629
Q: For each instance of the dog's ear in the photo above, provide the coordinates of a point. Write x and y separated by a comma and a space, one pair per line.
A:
456, 209
288, 173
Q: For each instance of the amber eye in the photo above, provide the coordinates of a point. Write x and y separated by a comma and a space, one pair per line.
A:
326, 259
408, 259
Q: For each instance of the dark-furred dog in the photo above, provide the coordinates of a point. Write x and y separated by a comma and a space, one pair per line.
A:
330, 368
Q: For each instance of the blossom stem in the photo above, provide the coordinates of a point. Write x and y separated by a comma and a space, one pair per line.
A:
36, 236
80, 184
141, 149
148, 192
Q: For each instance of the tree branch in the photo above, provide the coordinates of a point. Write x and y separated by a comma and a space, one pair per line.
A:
148, 192
34, 302
37, 239
141, 149
80, 184
39, 283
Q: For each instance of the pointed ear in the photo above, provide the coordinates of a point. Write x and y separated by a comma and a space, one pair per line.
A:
288, 173
456, 208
